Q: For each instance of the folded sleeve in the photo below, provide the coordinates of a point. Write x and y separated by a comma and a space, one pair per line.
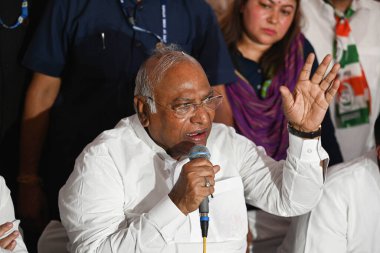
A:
286, 188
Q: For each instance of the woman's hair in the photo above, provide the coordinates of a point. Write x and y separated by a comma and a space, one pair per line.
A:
232, 25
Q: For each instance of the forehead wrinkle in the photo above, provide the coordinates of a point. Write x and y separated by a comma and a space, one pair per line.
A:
186, 78
193, 99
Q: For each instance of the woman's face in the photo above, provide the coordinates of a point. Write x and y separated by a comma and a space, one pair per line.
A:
267, 21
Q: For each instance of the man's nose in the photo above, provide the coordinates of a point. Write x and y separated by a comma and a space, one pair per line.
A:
200, 114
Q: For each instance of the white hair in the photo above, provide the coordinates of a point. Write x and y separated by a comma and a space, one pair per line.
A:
148, 77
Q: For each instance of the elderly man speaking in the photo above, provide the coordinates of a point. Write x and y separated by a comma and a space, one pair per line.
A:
134, 188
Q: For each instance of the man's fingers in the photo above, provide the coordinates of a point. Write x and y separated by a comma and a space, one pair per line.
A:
5, 227
209, 181
202, 167
206, 191
216, 168
305, 72
6, 242
11, 246
321, 70
204, 171
332, 91
204, 179
287, 97
327, 81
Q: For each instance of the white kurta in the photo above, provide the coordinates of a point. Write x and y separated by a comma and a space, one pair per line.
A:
7, 214
116, 199
347, 219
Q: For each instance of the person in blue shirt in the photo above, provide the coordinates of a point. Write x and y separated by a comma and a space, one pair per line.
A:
85, 56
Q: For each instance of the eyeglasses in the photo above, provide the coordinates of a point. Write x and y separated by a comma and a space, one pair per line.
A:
186, 109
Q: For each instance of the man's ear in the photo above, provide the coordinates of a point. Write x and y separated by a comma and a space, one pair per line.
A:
142, 109
378, 151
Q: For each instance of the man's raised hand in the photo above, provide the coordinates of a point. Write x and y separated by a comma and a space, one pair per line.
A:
306, 107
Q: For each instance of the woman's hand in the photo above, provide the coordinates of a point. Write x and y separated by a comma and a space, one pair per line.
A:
307, 106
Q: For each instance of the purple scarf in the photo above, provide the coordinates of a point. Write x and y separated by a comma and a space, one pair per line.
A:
262, 120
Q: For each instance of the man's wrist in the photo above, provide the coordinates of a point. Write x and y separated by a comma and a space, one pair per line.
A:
303, 134
174, 198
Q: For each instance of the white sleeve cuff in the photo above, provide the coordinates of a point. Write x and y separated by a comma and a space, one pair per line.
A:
167, 217
306, 149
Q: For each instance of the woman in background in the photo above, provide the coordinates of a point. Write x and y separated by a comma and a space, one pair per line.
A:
268, 50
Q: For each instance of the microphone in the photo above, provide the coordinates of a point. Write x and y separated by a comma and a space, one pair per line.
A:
202, 152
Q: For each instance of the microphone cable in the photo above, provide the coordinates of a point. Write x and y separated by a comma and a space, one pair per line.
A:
204, 219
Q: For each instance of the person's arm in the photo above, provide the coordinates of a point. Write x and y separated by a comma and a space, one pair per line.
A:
40, 97
10, 238
224, 112
294, 187
286, 188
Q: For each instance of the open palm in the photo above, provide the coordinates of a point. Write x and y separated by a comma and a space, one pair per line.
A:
306, 107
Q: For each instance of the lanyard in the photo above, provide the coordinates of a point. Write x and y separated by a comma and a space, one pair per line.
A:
164, 24
20, 19
131, 20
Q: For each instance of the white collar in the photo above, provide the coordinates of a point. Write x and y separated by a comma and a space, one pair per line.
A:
141, 132
356, 4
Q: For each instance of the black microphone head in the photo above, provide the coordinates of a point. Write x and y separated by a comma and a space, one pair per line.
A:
199, 151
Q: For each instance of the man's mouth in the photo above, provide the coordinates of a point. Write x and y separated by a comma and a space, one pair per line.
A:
197, 136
